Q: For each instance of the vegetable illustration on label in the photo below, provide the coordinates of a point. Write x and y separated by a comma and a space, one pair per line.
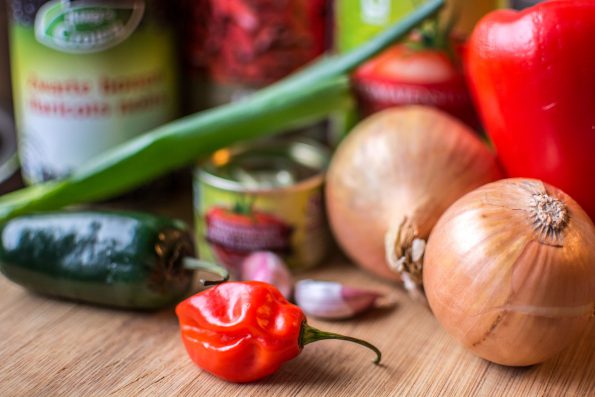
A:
234, 234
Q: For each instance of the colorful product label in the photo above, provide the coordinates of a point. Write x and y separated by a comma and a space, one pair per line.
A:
289, 221
87, 76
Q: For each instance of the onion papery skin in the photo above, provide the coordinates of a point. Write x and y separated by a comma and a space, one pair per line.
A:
508, 287
404, 163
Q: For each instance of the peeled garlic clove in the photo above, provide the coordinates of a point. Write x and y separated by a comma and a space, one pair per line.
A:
269, 268
332, 300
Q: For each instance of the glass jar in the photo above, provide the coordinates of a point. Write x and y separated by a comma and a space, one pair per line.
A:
87, 76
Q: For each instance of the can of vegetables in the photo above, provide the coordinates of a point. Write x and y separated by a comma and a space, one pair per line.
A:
264, 196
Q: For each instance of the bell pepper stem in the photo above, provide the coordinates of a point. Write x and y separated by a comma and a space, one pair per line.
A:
310, 334
197, 264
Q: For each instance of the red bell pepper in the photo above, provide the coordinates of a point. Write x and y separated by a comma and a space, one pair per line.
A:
244, 331
532, 74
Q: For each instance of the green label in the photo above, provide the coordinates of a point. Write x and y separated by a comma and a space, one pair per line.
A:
360, 20
87, 26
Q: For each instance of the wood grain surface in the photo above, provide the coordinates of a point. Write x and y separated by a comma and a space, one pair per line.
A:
59, 348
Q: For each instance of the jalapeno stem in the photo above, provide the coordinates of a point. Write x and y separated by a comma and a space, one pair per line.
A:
310, 334
197, 264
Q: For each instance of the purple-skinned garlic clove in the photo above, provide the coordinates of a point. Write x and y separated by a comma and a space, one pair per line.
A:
333, 300
269, 268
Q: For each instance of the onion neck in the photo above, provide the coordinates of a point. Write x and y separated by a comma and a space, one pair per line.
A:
549, 215
404, 251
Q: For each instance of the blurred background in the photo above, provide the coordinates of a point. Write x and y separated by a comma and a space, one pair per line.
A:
218, 46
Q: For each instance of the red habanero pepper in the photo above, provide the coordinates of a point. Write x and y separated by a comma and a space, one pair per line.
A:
244, 331
533, 77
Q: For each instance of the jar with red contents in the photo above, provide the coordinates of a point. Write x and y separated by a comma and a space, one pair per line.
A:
237, 46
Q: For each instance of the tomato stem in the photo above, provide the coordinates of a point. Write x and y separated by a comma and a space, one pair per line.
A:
244, 205
310, 334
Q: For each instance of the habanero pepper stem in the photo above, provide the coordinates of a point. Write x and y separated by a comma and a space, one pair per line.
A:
301, 98
310, 334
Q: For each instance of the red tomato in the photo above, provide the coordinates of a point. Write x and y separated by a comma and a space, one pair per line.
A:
403, 75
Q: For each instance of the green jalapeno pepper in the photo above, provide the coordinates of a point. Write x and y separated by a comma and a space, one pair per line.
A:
122, 259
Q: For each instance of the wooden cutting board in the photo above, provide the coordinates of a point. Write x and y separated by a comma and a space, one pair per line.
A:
59, 348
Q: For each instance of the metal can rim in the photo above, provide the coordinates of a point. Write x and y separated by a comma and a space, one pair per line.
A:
316, 148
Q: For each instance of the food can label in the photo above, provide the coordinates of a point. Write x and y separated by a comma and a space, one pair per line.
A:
290, 222
87, 76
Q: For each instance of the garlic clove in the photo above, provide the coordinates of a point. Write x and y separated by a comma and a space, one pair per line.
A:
267, 267
332, 300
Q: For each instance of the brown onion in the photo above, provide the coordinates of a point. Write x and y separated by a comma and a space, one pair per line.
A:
393, 176
509, 271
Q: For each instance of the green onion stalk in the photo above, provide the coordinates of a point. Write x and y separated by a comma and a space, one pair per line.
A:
306, 96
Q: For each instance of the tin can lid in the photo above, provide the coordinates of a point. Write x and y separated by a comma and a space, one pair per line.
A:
266, 166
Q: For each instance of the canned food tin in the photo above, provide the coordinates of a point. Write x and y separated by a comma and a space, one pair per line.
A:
266, 196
